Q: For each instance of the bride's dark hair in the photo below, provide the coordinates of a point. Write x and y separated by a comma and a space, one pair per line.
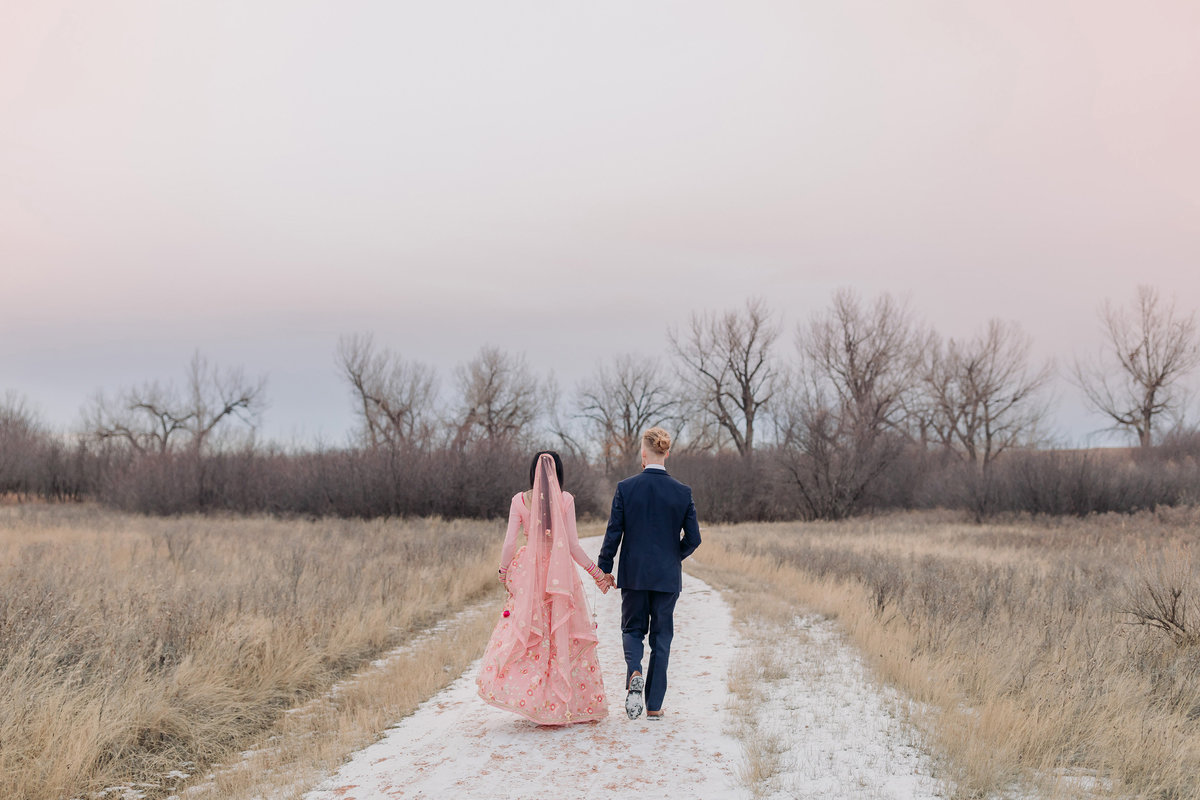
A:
557, 466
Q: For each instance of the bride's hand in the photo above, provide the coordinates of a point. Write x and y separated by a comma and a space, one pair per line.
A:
602, 580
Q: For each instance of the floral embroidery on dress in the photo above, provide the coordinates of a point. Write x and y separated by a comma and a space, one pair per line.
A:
524, 670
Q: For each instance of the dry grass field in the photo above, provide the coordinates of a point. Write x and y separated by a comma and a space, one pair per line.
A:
1018, 637
131, 647
1054, 656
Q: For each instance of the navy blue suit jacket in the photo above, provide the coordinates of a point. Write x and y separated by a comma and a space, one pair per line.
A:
648, 512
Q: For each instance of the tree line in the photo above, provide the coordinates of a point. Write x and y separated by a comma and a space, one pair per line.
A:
867, 408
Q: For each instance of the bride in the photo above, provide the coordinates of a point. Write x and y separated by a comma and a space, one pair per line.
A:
541, 660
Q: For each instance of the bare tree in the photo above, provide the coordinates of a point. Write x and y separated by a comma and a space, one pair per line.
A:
1148, 349
148, 418
726, 362
831, 459
217, 398
845, 418
501, 399
983, 395
620, 401
394, 398
155, 416
866, 358
17, 419
21, 438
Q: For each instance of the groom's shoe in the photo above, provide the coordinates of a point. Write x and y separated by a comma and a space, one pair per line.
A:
654, 714
633, 700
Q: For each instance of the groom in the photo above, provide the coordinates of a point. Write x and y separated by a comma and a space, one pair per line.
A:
648, 512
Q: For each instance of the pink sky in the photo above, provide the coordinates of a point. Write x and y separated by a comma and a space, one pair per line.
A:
254, 179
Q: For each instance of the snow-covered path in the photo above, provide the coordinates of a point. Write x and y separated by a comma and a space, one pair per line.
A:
833, 731
829, 728
457, 746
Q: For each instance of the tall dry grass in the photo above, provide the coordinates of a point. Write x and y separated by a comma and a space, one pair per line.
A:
131, 647
311, 741
1038, 644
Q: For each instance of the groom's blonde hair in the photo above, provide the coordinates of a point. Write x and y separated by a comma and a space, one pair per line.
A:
657, 441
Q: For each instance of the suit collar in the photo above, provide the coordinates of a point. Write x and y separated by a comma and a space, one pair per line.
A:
654, 470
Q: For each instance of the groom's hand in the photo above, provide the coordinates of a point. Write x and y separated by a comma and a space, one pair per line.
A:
609, 581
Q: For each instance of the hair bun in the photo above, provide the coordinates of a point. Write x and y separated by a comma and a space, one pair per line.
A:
658, 440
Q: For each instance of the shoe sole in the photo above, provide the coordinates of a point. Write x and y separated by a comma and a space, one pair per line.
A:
633, 700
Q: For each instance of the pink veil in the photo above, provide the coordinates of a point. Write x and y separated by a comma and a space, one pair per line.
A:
548, 600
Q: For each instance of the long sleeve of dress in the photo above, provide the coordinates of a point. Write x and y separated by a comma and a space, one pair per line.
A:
577, 552
514, 528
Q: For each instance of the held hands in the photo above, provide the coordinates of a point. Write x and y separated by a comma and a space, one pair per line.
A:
603, 581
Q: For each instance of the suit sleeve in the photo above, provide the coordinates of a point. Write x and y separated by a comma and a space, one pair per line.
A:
691, 531
612, 536
514, 527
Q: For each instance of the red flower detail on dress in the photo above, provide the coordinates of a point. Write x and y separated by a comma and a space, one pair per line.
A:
506, 612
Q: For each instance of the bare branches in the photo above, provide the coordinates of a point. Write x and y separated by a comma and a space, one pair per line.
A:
867, 357
1148, 348
621, 400
217, 398
17, 419
155, 417
21, 436
146, 418
1159, 595
982, 394
840, 426
501, 399
394, 399
831, 458
727, 363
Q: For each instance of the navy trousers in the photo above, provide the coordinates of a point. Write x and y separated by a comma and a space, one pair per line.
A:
648, 612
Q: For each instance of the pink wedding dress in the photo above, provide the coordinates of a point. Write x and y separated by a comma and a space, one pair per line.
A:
541, 660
